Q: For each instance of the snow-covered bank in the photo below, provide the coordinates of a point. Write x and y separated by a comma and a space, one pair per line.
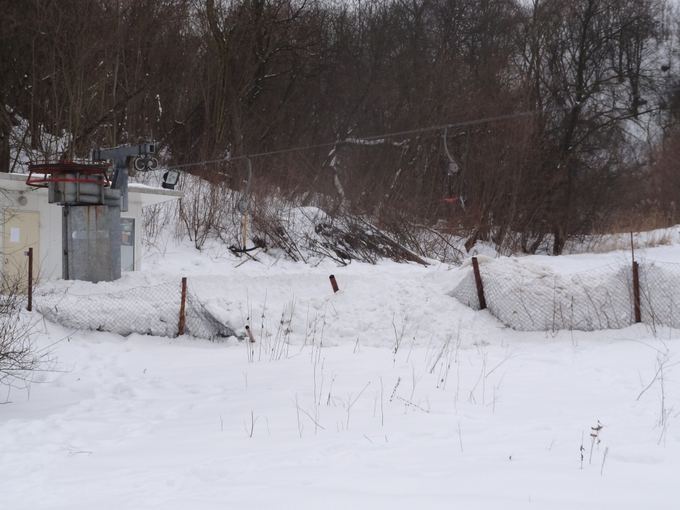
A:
536, 293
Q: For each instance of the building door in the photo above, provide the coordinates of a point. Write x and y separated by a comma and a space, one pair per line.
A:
22, 231
127, 244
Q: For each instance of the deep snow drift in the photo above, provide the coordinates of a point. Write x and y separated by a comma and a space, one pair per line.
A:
389, 394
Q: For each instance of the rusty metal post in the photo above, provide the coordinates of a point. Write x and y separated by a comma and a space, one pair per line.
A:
632, 247
29, 305
636, 292
182, 308
250, 335
478, 282
334, 283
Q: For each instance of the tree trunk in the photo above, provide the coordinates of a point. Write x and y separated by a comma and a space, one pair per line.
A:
5, 129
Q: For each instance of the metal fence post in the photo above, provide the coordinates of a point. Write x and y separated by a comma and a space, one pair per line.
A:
636, 282
29, 305
480, 285
334, 283
636, 292
251, 337
182, 308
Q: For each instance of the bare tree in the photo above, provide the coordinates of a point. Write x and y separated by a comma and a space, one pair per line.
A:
587, 68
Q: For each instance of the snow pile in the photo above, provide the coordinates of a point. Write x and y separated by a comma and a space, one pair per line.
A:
287, 230
117, 308
282, 301
531, 297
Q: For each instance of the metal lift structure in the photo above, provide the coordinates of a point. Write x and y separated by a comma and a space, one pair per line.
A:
91, 204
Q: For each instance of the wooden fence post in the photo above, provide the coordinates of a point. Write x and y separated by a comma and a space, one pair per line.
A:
478, 282
29, 305
182, 308
636, 292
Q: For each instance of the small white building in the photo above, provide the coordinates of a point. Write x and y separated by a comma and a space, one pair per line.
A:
27, 220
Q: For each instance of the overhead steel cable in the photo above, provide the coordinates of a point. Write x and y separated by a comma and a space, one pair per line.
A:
393, 134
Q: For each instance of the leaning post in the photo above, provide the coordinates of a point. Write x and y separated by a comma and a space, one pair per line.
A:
478, 282
182, 308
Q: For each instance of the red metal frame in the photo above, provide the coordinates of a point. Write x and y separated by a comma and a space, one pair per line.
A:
54, 172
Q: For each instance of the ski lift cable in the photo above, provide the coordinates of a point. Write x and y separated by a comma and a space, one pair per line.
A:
485, 120
393, 134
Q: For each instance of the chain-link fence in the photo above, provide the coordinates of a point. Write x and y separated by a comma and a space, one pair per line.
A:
148, 310
522, 295
660, 293
528, 297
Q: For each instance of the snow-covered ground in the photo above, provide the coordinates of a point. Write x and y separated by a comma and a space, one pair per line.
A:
388, 394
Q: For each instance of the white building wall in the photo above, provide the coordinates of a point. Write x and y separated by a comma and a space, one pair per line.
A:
51, 227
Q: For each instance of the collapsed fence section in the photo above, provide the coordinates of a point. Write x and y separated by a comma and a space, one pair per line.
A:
166, 309
529, 297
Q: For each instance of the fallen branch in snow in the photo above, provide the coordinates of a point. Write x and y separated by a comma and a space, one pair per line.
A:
412, 404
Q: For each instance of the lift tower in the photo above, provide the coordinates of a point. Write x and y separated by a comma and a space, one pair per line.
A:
91, 205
